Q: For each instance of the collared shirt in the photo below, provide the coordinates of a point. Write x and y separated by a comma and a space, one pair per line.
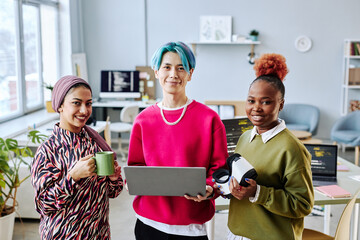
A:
266, 136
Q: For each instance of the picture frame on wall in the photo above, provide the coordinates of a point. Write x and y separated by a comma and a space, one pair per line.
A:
79, 66
215, 29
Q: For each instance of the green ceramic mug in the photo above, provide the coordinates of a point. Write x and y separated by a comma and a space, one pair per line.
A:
104, 163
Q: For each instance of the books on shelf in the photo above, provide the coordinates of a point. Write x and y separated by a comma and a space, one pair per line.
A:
354, 76
354, 49
333, 191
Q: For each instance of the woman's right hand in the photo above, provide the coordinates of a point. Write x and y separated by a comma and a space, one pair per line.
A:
85, 167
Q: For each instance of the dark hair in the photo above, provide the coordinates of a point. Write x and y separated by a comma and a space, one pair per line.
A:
271, 67
274, 81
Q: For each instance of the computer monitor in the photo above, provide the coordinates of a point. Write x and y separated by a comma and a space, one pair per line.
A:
234, 129
119, 84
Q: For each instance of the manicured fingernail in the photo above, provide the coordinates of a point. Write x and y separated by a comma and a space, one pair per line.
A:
218, 186
222, 192
213, 180
246, 179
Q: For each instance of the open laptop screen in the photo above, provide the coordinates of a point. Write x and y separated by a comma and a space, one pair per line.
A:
324, 159
234, 128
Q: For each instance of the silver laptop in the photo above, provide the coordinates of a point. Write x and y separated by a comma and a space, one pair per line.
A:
165, 181
323, 163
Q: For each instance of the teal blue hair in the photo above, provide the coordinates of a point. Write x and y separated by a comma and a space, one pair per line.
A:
186, 55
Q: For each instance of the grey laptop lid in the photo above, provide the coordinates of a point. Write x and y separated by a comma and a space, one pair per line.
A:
323, 163
165, 181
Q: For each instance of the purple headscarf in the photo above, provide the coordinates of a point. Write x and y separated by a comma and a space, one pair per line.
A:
62, 87
59, 92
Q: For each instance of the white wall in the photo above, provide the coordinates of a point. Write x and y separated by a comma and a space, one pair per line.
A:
114, 38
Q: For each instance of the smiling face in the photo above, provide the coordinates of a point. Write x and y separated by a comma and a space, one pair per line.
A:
172, 75
263, 105
76, 109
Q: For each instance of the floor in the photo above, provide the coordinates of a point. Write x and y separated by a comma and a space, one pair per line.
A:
122, 219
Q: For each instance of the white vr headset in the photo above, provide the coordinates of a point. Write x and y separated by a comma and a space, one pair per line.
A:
239, 168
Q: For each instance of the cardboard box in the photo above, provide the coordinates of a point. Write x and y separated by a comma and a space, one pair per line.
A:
354, 76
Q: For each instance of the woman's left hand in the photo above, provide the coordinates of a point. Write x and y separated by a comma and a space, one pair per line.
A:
241, 192
117, 173
199, 198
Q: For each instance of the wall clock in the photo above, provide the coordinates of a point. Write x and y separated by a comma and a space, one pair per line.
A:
303, 43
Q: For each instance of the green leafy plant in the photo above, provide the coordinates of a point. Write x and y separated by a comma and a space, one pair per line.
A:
254, 33
48, 86
11, 157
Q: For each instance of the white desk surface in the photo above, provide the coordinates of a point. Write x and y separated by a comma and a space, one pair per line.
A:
121, 104
47, 130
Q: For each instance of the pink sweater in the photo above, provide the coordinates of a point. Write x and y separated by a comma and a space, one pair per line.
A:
198, 140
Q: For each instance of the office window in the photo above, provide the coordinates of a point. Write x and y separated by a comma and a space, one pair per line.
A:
28, 54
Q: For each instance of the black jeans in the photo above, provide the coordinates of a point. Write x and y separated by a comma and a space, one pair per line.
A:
145, 232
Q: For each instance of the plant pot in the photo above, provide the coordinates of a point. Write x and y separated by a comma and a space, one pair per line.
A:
7, 226
49, 107
253, 38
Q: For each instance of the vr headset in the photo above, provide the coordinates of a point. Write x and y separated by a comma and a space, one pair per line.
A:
239, 168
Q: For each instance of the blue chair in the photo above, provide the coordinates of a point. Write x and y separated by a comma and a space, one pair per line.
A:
303, 117
346, 130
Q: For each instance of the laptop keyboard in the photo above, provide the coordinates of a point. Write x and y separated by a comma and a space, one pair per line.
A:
325, 179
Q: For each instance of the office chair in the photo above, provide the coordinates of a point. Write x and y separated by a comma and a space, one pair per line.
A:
346, 130
303, 117
343, 228
127, 117
107, 134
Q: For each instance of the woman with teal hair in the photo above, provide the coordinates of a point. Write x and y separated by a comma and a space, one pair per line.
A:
176, 132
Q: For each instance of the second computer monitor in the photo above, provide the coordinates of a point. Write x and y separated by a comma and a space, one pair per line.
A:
119, 84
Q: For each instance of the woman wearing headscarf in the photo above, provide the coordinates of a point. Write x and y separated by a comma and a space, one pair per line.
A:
72, 199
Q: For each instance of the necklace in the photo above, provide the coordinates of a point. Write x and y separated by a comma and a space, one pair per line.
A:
177, 121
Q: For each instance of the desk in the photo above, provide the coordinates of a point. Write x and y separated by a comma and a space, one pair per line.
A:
118, 104
344, 181
47, 129
305, 137
302, 135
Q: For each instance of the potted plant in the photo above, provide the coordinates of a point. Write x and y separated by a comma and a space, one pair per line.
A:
48, 103
254, 35
11, 158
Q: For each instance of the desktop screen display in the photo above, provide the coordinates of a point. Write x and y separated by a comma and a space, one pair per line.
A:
234, 128
119, 84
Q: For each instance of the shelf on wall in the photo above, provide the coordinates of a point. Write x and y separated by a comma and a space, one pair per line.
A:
351, 73
252, 43
352, 86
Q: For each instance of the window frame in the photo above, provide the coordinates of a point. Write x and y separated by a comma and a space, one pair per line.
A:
20, 54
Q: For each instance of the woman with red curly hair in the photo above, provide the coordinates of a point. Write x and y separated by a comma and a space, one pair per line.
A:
273, 206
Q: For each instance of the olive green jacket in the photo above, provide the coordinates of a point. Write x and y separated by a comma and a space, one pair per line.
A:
286, 193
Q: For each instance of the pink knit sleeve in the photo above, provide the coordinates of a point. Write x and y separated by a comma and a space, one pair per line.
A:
136, 154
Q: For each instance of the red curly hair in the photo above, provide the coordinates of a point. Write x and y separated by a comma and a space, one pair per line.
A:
271, 64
